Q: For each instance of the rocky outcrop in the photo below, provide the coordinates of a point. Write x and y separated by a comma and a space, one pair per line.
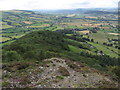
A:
59, 73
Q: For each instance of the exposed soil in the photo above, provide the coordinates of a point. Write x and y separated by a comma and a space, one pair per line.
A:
114, 33
84, 32
27, 22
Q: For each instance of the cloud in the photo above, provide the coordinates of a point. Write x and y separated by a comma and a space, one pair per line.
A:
56, 4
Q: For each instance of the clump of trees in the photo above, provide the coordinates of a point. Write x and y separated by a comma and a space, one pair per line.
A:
107, 44
11, 56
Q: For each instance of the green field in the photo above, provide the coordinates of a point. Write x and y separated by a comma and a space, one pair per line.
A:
104, 49
6, 26
18, 24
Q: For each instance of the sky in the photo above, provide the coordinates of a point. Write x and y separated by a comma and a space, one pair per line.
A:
56, 4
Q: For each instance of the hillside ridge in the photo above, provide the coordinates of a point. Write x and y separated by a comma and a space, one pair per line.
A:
60, 73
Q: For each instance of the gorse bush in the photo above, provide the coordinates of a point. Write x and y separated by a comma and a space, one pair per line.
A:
11, 56
116, 70
63, 71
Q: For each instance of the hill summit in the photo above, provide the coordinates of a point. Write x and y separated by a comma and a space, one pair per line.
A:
58, 73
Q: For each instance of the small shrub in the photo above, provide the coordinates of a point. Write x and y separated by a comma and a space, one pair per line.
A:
5, 84
73, 66
116, 71
12, 67
60, 77
25, 80
22, 66
11, 56
63, 71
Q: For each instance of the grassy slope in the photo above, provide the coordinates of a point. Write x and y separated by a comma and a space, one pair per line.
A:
104, 49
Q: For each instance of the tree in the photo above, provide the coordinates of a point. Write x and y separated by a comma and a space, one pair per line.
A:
92, 40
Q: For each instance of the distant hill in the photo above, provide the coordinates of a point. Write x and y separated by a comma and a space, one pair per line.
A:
82, 11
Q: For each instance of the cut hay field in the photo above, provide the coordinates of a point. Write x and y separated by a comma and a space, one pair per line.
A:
114, 33
84, 32
70, 15
27, 22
